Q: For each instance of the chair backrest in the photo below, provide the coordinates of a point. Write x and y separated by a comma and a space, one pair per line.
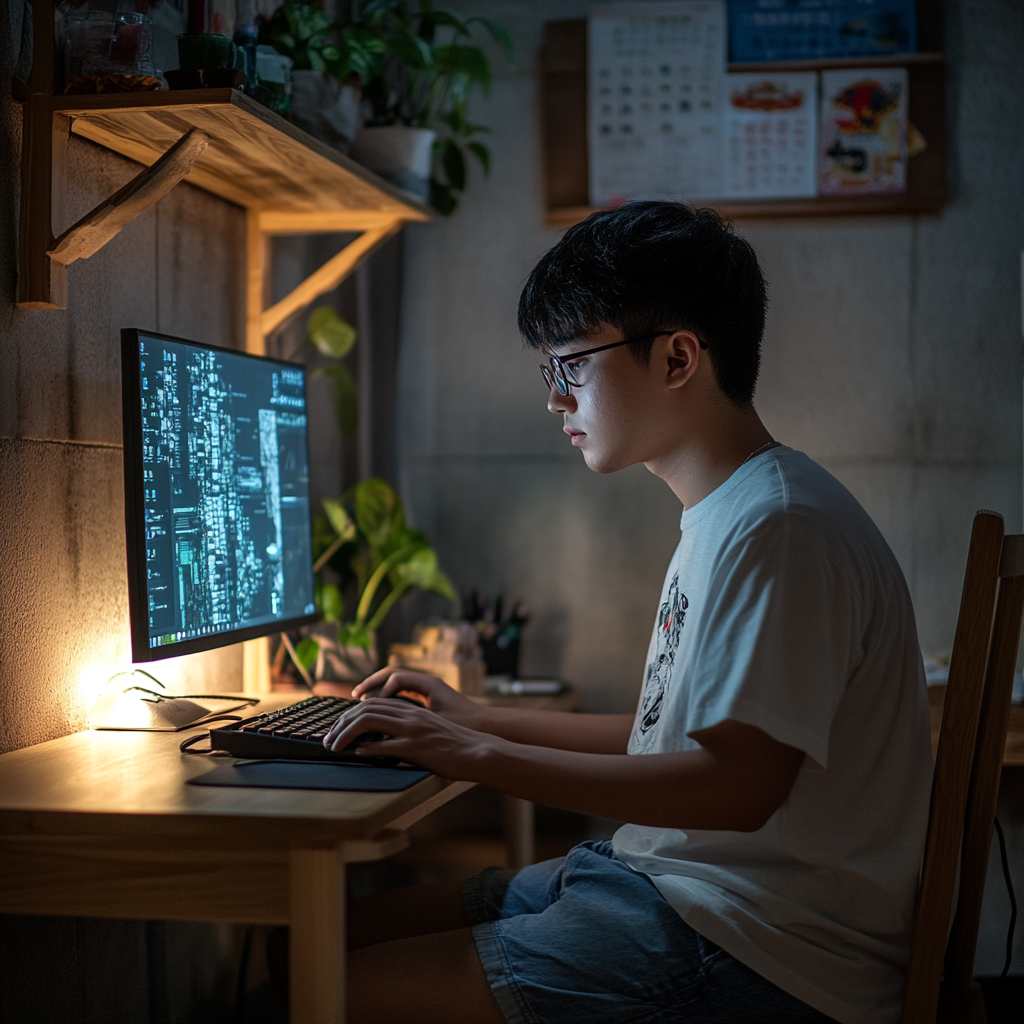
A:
985, 773
953, 763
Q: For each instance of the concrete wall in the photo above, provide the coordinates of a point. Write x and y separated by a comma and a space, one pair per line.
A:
892, 356
63, 595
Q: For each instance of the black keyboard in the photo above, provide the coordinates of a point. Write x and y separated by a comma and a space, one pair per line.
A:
294, 733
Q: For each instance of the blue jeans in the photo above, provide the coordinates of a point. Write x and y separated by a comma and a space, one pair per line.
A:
586, 939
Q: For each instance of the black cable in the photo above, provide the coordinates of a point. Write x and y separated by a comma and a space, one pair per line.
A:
243, 975
186, 745
1013, 901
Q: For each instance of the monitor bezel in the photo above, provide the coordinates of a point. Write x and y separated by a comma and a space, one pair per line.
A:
134, 509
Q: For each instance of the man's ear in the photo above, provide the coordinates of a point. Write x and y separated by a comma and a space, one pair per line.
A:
681, 353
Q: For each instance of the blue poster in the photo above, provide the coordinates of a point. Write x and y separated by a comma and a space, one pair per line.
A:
779, 30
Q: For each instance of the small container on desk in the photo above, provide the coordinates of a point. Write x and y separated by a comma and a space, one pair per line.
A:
446, 650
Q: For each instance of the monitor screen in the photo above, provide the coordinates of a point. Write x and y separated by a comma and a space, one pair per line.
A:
217, 504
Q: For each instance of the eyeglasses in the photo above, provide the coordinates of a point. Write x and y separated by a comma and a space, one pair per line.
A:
558, 373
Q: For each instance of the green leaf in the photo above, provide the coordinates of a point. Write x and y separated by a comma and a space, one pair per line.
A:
454, 164
499, 34
379, 510
306, 651
333, 335
338, 517
401, 537
364, 52
449, 20
455, 119
316, 61
354, 634
469, 62
441, 197
410, 48
346, 397
332, 607
443, 586
482, 153
421, 570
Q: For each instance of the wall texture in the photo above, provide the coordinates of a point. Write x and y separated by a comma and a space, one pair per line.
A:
892, 356
63, 597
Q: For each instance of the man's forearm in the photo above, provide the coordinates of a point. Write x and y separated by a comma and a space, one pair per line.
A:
733, 787
592, 734
735, 779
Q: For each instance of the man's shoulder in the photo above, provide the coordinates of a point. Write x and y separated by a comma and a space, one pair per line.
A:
786, 484
789, 494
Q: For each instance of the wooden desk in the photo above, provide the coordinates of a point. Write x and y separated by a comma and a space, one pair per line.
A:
101, 824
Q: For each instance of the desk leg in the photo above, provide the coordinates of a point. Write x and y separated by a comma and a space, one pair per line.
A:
317, 940
519, 846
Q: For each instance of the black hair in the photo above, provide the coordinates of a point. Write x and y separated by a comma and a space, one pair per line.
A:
647, 266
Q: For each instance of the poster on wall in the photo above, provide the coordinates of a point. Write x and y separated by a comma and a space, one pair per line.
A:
656, 80
863, 146
774, 30
770, 136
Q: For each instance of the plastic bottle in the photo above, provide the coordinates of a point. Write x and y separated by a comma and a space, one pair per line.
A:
245, 37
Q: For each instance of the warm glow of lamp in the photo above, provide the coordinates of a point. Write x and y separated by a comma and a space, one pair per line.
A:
92, 684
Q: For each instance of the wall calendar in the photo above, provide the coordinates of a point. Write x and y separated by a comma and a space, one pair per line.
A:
656, 82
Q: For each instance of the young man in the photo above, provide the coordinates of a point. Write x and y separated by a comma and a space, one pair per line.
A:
776, 775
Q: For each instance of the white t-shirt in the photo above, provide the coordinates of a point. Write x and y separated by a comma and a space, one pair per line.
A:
784, 608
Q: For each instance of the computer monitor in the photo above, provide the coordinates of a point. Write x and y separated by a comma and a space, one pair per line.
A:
217, 508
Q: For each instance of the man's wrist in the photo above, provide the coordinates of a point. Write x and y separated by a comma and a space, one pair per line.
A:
480, 718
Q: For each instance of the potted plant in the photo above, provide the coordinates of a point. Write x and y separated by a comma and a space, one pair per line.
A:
419, 83
362, 548
328, 64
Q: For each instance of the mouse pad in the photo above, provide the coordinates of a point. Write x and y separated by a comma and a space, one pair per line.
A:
312, 775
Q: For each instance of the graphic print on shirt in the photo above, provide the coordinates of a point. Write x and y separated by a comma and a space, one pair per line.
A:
671, 616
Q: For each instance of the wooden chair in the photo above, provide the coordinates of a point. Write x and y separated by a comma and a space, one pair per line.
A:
940, 983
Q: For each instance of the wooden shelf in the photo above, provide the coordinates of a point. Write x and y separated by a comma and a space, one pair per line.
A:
216, 139
255, 158
564, 108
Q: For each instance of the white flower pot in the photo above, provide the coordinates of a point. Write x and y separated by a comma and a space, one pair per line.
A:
325, 108
398, 153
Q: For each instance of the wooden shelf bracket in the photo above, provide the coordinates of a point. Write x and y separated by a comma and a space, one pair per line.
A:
262, 224
89, 234
42, 278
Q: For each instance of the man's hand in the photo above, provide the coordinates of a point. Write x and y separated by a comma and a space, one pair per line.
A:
562, 730
417, 735
440, 697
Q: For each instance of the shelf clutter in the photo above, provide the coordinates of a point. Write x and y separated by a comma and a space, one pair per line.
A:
630, 77
219, 140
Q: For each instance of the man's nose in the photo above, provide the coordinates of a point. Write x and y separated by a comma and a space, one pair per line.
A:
559, 403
